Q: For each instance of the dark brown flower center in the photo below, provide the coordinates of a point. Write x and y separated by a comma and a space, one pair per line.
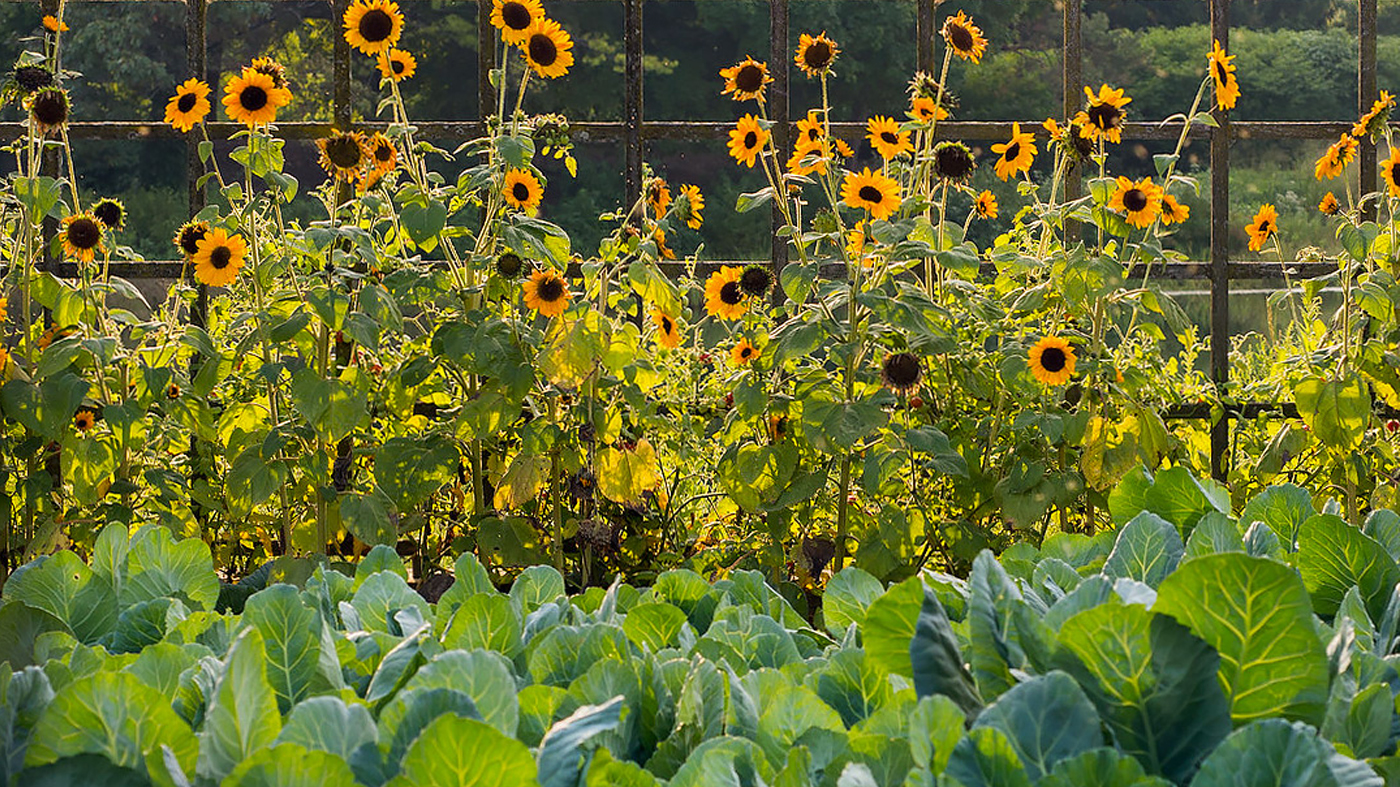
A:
551, 289
521, 192
50, 108
745, 352
220, 257
516, 16
383, 152
870, 194
750, 140
32, 78
1105, 116
755, 280
1221, 75
902, 370
666, 325
730, 294
109, 213
84, 234
344, 152
252, 98
397, 65
190, 238
1265, 228
953, 162
509, 264
1135, 200
814, 134
818, 55
961, 38
543, 52
376, 26
1012, 151
889, 137
749, 79
1053, 359
186, 102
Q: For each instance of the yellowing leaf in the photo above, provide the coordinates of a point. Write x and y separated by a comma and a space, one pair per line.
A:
522, 481
625, 475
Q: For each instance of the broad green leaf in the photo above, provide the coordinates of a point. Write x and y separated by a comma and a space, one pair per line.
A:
332, 407
290, 765
536, 586
410, 471
160, 665
63, 586
1153, 682
159, 567
937, 661
291, 634
853, 685
604, 771
787, 714
82, 769
889, 626
849, 593
718, 761
935, 727
654, 626
625, 475
1274, 753
1215, 533
458, 752
1100, 768
1148, 549
119, 717
1383, 525
985, 758
561, 752
367, 518
566, 652
328, 724
410, 712
381, 558
1256, 613
1283, 508
1182, 499
484, 621
242, 716
381, 596
483, 675
1046, 719
1337, 411
992, 651
1333, 557
20, 626
470, 578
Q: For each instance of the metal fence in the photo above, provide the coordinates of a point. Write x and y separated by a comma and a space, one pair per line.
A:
635, 130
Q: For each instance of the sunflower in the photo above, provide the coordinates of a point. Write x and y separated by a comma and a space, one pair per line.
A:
1335, 160
48, 109
724, 296
964, 38
843, 148
1375, 119
747, 139
4, 309
274, 69
253, 98
743, 353
926, 110
1222, 70
755, 280
4, 359
368, 180
110, 212
1174, 212
32, 78
189, 235
985, 207
1139, 202
1329, 204
662, 250
172, 391
1052, 360
1016, 155
509, 265
901, 371
1263, 227
522, 189
55, 334
82, 237
695, 205
218, 257
373, 26
953, 161
658, 196
1103, 118
1390, 171
810, 131
816, 54
545, 48
189, 106
547, 293
54, 25
397, 65
807, 159
1071, 138
84, 419
668, 335
887, 139
344, 154
876, 192
514, 17
383, 155
745, 80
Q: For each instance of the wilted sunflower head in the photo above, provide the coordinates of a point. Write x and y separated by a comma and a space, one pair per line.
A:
343, 153
32, 78
815, 54
901, 371
274, 69
755, 281
48, 108
189, 235
953, 161
110, 212
509, 265
551, 130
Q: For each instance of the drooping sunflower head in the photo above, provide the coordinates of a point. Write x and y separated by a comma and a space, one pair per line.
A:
274, 70
509, 265
1173, 212
745, 80
658, 196
743, 353
664, 252
218, 257
755, 280
724, 295
110, 212
1104, 116
84, 418
1374, 120
1263, 227
901, 371
887, 138
383, 155
82, 237
1329, 205
48, 109
964, 38
668, 334
815, 54
694, 205
876, 193
1140, 202
547, 293
54, 25
747, 140
521, 189
344, 154
1222, 72
1052, 360
189, 106
547, 48
1334, 162
397, 65
33, 78
985, 206
251, 98
1017, 155
189, 235
953, 161
373, 26
514, 17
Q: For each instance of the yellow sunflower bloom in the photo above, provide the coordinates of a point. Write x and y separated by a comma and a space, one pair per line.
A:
82, 237
1174, 212
1017, 155
810, 130
373, 26
1329, 205
875, 192
808, 159
724, 297
1052, 360
747, 139
1263, 227
745, 80
743, 353
189, 106
1335, 160
658, 196
547, 293
926, 110
219, 257
383, 154
668, 335
547, 49
84, 419
189, 235
1375, 119
1103, 118
985, 207
397, 65
252, 98
964, 38
1222, 71
1140, 202
695, 206
1390, 172
522, 189
514, 17
887, 139
344, 154
815, 54
54, 25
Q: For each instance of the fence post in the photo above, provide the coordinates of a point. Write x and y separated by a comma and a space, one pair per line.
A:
1366, 93
779, 64
1220, 258
632, 135
1072, 92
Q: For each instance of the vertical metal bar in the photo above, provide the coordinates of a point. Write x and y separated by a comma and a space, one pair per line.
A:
340, 68
1072, 89
924, 30
485, 60
1367, 92
1220, 256
632, 97
197, 63
779, 65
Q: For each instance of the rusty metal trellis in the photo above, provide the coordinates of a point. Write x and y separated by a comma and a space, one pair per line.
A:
635, 130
